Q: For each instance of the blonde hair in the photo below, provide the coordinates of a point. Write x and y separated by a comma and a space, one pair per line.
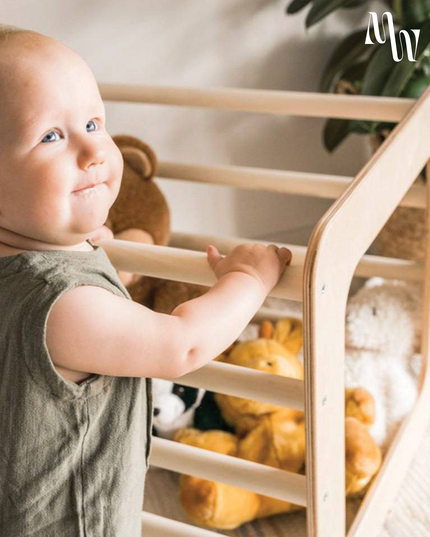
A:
7, 31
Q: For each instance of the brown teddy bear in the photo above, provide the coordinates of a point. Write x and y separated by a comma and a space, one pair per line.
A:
141, 214
271, 435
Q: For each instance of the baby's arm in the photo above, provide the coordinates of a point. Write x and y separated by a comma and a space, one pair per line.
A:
91, 330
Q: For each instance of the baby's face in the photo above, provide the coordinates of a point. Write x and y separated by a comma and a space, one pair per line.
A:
53, 142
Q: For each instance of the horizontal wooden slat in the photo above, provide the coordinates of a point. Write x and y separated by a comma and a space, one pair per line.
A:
370, 265
288, 182
158, 526
246, 382
206, 464
389, 267
293, 103
184, 266
198, 242
191, 266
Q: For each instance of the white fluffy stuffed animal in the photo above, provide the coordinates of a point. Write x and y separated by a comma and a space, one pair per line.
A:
383, 325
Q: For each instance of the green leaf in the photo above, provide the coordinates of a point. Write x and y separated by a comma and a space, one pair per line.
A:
382, 125
414, 11
355, 72
402, 71
370, 127
380, 66
397, 9
415, 87
356, 3
354, 76
349, 49
361, 126
321, 9
297, 5
335, 130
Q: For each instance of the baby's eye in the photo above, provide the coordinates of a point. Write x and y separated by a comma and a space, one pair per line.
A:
47, 135
93, 122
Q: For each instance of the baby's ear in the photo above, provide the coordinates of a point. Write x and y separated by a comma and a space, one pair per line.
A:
138, 155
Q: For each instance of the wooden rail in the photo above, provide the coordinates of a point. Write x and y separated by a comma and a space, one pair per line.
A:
253, 476
295, 103
368, 266
286, 182
246, 382
159, 526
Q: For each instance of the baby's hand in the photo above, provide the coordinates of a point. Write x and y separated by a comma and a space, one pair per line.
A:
266, 263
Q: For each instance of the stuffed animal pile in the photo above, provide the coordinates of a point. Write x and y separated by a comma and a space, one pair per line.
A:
271, 435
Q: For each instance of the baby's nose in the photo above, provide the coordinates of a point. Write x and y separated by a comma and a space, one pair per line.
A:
91, 154
98, 157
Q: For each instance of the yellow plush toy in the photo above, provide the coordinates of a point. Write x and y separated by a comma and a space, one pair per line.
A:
271, 435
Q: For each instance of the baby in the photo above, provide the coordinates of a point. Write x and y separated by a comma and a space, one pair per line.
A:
76, 353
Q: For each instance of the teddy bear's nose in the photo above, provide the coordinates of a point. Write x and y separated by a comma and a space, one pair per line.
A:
156, 411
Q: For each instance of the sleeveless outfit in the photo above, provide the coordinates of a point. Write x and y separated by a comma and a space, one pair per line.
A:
73, 457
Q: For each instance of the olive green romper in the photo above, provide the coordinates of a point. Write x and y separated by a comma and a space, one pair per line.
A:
73, 457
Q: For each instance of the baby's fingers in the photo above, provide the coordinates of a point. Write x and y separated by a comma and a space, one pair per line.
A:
213, 255
285, 255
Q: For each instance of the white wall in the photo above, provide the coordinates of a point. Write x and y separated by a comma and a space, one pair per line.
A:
211, 43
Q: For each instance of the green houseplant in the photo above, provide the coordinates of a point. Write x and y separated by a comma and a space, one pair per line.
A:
357, 68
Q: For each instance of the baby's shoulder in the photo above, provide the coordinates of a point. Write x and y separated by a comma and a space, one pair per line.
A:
81, 321
84, 306
93, 330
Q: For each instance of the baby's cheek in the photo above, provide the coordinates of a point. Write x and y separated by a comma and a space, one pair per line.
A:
117, 162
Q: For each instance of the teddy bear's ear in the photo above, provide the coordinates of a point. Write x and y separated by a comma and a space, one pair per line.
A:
138, 155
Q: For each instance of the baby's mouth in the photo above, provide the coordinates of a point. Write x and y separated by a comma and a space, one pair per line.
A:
92, 187
89, 190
